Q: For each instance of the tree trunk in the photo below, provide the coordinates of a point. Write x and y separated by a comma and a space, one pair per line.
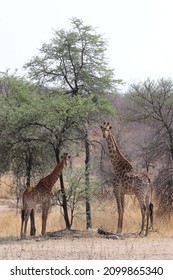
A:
87, 182
28, 183
64, 203
64, 199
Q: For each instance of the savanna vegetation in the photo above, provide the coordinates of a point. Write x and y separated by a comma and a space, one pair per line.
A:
58, 106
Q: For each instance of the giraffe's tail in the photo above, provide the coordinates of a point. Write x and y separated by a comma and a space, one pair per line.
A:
151, 206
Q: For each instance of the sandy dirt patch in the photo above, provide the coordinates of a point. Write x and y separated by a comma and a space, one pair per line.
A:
86, 246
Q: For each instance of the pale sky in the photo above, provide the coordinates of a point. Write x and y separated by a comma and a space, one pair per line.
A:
139, 32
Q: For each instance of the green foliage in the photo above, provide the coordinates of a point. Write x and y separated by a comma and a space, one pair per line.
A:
74, 61
29, 120
18, 110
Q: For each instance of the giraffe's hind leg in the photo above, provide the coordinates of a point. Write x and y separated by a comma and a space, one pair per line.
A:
25, 216
147, 222
143, 212
32, 220
22, 222
147, 213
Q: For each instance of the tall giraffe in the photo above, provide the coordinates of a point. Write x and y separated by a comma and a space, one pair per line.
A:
127, 182
41, 194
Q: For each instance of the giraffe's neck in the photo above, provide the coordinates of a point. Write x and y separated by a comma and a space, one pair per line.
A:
119, 162
51, 179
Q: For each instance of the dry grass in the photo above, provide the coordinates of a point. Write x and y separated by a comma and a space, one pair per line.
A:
104, 215
6, 187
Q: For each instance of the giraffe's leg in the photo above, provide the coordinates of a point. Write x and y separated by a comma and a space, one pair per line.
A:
45, 209
143, 199
22, 222
147, 223
122, 211
25, 217
143, 212
149, 214
32, 221
120, 214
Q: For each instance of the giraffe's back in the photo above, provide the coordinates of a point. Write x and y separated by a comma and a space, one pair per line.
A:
34, 196
131, 184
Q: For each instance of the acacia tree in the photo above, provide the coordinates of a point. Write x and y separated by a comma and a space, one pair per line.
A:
152, 102
74, 63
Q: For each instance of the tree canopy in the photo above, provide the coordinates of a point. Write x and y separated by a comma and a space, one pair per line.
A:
74, 61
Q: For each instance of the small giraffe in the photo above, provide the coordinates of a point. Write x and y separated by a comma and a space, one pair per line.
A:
127, 182
41, 194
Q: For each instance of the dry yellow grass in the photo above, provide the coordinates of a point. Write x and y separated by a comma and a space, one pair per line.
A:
10, 221
104, 214
6, 187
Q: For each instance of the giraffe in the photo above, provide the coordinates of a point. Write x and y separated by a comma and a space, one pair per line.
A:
126, 181
41, 194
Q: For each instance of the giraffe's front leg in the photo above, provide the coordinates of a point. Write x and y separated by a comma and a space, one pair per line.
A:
22, 222
120, 215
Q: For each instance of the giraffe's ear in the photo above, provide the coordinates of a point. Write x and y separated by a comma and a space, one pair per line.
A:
110, 127
101, 126
69, 156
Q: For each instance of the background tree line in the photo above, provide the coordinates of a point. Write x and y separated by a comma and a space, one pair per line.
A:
70, 89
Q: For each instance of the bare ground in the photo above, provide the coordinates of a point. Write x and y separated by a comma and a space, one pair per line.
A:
87, 245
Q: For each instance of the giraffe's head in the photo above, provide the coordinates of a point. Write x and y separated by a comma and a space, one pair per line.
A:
65, 158
105, 129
